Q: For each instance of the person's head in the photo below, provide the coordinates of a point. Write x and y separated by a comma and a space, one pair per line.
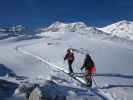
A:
69, 50
88, 56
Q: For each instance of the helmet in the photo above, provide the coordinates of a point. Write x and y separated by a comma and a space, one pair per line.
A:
71, 50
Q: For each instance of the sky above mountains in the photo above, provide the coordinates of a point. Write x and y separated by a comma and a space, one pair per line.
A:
36, 13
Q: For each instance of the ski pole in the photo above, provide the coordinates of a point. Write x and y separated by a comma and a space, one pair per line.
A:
95, 82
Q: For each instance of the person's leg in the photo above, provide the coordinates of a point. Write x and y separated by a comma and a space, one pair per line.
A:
90, 81
70, 66
88, 78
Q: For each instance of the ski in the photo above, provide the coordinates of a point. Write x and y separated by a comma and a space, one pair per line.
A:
105, 75
78, 79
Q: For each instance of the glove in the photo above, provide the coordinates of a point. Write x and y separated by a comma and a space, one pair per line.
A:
81, 68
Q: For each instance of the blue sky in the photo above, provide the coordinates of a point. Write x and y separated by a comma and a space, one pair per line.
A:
36, 13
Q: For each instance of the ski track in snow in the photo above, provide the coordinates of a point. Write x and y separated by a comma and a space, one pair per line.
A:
98, 92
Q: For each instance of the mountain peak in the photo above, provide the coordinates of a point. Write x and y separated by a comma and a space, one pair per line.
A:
55, 24
65, 27
63, 24
123, 22
122, 28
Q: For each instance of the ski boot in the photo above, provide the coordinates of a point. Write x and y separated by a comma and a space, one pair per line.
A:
89, 83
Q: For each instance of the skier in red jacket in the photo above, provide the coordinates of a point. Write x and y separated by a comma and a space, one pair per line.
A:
70, 58
90, 68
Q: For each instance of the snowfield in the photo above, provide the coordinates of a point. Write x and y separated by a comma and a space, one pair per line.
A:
41, 61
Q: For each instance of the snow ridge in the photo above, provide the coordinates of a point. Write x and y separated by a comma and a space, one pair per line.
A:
79, 27
122, 29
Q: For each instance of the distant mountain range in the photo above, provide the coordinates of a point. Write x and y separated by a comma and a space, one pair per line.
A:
122, 29
18, 28
70, 27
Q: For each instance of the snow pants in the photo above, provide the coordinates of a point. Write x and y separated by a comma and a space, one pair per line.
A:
88, 78
70, 66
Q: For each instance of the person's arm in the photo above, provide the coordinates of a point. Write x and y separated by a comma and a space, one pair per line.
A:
73, 57
83, 66
65, 57
92, 62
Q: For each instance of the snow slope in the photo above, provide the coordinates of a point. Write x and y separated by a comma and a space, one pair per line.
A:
37, 60
34, 70
109, 58
122, 29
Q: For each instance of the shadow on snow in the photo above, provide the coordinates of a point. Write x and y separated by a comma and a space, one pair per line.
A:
5, 70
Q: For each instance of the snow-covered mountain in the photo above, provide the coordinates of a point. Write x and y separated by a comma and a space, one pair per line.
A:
17, 28
18, 32
70, 27
3, 30
122, 29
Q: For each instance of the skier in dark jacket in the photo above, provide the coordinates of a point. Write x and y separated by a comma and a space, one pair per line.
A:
90, 68
70, 58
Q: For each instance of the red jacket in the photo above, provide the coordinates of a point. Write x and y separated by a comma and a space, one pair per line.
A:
91, 69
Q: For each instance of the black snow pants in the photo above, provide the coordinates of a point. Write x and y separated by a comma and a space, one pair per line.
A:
70, 66
88, 77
